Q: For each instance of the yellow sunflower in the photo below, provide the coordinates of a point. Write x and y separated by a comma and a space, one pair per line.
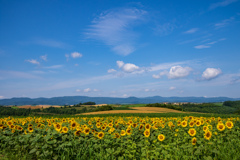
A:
220, 126
146, 133
100, 135
129, 131
30, 129
64, 129
229, 124
184, 123
208, 135
77, 133
123, 133
147, 126
192, 132
194, 141
161, 137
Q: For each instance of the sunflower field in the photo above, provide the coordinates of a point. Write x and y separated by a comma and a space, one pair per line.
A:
120, 138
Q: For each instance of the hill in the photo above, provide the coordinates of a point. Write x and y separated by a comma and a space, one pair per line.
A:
69, 100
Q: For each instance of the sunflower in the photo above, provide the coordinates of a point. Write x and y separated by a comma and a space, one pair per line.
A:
116, 135
220, 126
198, 123
192, 132
98, 125
19, 128
141, 127
205, 128
194, 141
129, 131
134, 125
161, 137
30, 129
100, 135
110, 125
191, 124
146, 133
12, 126
229, 124
64, 129
1, 126
147, 126
184, 123
9, 123
123, 133
13, 130
73, 124
77, 133
103, 127
30, 125
208, 135
86, 131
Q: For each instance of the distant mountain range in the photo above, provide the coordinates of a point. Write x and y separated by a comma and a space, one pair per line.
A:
69, 100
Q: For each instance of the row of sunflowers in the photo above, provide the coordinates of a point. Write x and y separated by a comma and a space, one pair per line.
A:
121, 137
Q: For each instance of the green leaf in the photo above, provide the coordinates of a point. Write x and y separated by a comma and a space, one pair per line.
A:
33, 150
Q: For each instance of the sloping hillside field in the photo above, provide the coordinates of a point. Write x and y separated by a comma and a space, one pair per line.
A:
120, 138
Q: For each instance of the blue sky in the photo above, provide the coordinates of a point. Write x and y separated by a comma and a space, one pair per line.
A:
119, 48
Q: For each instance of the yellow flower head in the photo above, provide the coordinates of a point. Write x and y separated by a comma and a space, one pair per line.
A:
161, 137
192, 132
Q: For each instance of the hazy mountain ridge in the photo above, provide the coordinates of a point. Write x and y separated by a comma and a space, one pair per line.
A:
68, 100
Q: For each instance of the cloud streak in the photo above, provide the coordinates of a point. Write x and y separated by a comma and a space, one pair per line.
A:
112, 28
221, 4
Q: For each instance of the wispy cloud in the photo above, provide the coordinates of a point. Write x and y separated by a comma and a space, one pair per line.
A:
201, 46
191, 31
8, 74
112, 28
221, 4
44, 57
208, 45
224, 23
53, 67
51, 43
33, 61
76, 55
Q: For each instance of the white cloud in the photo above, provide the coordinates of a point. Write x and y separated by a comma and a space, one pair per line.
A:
54, 67
178, 72
2, 97
174, 72
211, 73
6, 74
172, 88
78, 90
120, 64
221, 4
95, 90
125, 95
87, 90
113, 28
202, 46
190, 31
111, 71
76, 55
128, 67
224, 23
147, 90
50, 43
44, 57
33, 61
156, 76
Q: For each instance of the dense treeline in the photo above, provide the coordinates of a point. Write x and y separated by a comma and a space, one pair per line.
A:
234, 104
170, 106
68, 110
8, 111
203, 107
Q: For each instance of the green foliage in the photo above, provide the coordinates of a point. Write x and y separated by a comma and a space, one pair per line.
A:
104, 108
234, 104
